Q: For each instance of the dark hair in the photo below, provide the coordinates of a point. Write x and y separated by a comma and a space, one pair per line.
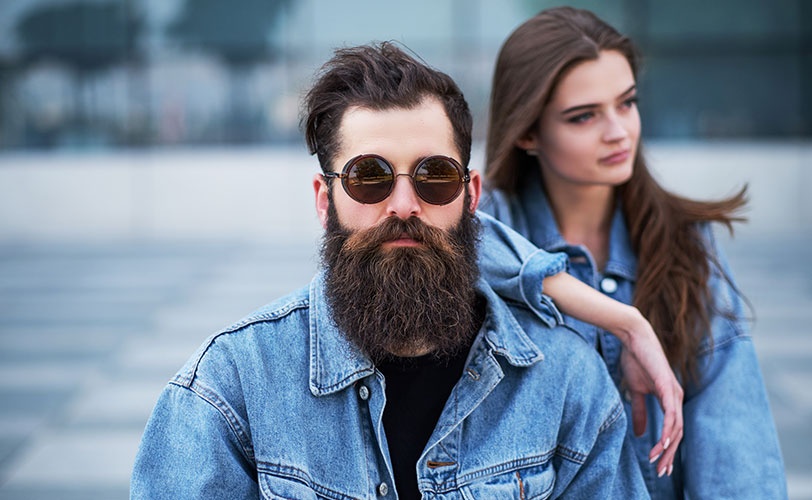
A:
674, 264
378, 77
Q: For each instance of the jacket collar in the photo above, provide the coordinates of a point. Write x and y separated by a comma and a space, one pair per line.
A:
543, 230
336, 363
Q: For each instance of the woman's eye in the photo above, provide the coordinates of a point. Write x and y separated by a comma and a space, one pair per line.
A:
630, 102
582, 118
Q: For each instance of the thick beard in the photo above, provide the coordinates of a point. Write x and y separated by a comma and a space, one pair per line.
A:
403, 301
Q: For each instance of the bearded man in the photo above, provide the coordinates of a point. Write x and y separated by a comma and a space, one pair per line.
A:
398, 372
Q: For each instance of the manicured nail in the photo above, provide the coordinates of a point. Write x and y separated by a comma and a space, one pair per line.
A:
667, 442
670, 469
661, 473
654, 458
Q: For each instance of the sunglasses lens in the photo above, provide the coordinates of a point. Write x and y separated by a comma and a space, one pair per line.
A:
369, 180
437, 180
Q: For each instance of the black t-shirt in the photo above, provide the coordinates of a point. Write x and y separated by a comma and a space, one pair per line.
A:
416, 392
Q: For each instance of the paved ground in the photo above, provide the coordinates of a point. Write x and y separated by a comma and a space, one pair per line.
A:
90, 334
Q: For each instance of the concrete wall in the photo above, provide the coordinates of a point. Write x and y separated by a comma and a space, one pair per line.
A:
779, 176
265, 194
252, 194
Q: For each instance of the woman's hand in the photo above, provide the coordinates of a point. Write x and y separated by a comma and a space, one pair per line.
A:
645, 367
646, 371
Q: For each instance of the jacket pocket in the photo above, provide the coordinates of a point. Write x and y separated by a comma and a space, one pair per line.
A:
276, 487
531, 483
283, 488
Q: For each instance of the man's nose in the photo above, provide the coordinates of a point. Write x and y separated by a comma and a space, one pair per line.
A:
403, 202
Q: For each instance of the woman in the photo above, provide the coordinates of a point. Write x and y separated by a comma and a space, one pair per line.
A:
566, 171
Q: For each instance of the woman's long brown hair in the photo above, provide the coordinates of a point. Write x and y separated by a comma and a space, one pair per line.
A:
674, 263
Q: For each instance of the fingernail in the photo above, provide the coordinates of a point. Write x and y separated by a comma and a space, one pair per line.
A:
661, 473
654, 458
667, 442
670, 469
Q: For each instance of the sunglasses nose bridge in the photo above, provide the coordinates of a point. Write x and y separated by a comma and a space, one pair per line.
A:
403, 174
403, 201
410, 180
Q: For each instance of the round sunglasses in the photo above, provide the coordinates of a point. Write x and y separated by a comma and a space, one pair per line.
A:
369, 178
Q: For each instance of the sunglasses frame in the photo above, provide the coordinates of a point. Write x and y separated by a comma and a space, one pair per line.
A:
463, 173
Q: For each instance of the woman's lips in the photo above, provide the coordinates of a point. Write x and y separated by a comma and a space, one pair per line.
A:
615, 158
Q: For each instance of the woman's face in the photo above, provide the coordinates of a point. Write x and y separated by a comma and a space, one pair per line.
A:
589, 131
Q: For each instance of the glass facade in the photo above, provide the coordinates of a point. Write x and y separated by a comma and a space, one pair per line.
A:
142, 73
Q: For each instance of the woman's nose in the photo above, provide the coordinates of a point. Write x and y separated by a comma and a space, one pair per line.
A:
615, 129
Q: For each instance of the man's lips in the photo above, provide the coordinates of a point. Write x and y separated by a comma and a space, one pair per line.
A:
404, 240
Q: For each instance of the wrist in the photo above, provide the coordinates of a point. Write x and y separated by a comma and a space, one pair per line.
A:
631, 325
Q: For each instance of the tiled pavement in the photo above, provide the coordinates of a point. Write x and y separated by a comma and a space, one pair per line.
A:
89, 334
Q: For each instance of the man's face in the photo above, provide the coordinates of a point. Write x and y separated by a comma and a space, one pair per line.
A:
400, 274
403, 137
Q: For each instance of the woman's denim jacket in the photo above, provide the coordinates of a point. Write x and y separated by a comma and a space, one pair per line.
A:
730, 446
281, 405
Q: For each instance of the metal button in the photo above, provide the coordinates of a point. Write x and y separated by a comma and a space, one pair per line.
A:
363, 392
608, 285
383, 489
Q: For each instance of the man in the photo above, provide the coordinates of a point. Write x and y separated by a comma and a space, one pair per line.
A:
397, 373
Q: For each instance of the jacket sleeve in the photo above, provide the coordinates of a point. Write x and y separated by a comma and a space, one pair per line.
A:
730, 448
607, 466
611, 469
515, 268
190, 450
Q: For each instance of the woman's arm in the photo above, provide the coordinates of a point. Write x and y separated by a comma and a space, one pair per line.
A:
645, 367
518, 270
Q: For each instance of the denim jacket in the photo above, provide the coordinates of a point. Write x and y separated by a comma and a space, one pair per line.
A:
730, 446
282, 405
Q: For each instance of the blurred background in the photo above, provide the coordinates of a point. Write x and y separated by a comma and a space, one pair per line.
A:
154, 187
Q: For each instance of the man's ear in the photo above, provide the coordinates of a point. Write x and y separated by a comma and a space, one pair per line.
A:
474, 189
320, 188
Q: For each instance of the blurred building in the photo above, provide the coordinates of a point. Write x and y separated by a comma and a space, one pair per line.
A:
178, 118
141, 73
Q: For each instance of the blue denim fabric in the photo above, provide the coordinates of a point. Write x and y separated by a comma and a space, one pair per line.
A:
281, 405
730, 447
513, 266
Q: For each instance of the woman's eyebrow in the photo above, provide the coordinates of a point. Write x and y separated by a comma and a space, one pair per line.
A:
628, 91
580, 107
583, 107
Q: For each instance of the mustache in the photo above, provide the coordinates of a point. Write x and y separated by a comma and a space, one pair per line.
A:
393, 228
